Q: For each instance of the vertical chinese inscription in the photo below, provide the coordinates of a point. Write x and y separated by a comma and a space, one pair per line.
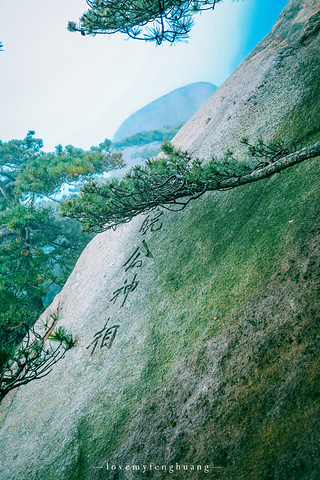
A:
125, 290
151, 223
105, 337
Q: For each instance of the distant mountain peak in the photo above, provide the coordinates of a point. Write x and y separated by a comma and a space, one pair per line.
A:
175, 107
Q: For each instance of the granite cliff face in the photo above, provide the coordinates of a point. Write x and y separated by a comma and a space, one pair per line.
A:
198, 332
268, 94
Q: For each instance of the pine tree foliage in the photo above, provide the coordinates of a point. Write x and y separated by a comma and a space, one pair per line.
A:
150, 20
37, 247
174, 181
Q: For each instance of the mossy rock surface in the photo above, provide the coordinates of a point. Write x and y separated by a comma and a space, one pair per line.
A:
215, 363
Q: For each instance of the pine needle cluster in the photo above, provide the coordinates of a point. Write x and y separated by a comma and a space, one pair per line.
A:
150, 20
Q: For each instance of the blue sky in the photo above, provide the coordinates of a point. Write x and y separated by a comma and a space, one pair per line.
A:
78, 90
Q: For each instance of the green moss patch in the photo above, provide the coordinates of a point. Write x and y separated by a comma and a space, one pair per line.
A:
231, 356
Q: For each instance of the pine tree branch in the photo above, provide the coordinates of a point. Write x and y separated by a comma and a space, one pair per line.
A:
272, 168
103, 207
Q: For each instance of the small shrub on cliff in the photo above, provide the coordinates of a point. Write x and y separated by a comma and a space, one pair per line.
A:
34, 356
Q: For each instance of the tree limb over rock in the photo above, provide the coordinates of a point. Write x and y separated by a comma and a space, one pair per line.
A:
174, 181
276, 167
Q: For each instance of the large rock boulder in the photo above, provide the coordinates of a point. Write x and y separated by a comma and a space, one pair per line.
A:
198, 331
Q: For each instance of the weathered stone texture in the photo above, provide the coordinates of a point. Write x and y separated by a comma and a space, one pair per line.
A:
215, 359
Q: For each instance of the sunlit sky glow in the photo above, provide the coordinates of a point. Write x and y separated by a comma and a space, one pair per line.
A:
78, 90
